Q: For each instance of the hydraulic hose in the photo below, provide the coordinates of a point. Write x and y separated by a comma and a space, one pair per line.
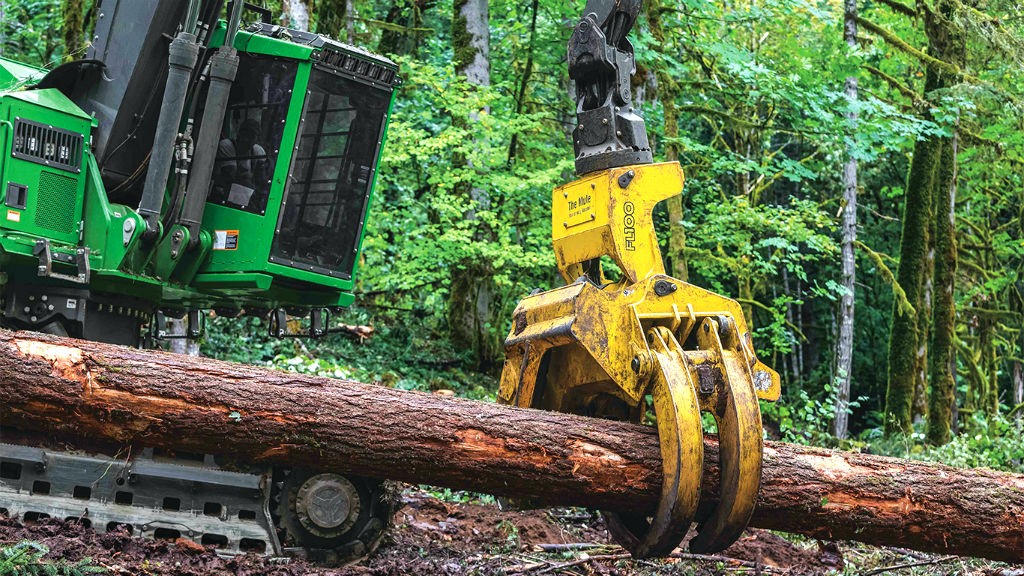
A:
223, 68
181, 61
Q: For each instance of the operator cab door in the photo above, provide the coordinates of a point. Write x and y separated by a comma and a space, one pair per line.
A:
325, 204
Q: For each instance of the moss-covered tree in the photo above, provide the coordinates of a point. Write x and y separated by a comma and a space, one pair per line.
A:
950, 40
904, 339
927, 214
668, 92
73, 14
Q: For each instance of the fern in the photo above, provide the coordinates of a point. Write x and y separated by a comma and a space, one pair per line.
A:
26, 558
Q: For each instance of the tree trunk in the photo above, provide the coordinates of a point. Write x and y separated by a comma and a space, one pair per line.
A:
178, 327
471, 45
949, 44
524, 81
471, 299
904, 338
668, 91
844, 344
1018, 394
943, 360
77, 389
350, 22
295, 14
73, 13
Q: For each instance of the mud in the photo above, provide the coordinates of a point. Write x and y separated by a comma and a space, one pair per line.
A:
436, 537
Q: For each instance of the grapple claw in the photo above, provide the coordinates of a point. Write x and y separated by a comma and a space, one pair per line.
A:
598, 347
734, 405
682, 455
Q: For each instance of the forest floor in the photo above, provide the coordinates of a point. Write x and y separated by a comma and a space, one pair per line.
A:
451, 535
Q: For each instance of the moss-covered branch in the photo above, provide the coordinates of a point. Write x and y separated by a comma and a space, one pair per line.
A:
898, 43
900, 8
895, 84
904, 305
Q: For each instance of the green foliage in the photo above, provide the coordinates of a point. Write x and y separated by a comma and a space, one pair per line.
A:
27, 558
419, 232
398, 355
27, 32
991, 442
801, 419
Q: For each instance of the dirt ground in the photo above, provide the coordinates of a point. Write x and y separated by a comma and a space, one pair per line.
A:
450, 537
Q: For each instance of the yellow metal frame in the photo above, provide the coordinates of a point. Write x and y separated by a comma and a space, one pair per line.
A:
601, 348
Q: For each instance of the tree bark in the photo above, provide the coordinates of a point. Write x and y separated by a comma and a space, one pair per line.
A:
948, 43
1018, 394
295, 14
350, 22
472, 308
668, 91
73, 13
844, 344
943, 349
76, 389
905, 339
178, 328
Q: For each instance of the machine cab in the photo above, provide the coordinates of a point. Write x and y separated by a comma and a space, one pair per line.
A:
296, 163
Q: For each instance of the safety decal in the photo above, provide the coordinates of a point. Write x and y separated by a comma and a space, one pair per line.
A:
225, 239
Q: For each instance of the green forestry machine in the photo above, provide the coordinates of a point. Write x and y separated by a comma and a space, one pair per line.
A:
188, 163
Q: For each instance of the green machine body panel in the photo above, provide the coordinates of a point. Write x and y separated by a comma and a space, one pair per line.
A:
287, 204
44, 171
13, 74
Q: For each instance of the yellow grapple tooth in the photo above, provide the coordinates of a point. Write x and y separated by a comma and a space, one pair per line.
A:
734, 405
682, 454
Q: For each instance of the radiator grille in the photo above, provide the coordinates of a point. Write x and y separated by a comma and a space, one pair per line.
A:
47, 145
55, 203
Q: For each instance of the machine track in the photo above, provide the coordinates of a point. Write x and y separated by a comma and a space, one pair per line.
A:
323, 517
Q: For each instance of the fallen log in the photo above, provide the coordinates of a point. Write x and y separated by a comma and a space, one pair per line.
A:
80, 389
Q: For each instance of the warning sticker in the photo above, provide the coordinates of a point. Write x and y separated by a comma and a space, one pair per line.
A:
225, 239
14, 216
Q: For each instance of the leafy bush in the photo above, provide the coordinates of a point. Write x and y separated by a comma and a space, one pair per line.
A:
801, 419
27, 558
988, 442
402, 353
